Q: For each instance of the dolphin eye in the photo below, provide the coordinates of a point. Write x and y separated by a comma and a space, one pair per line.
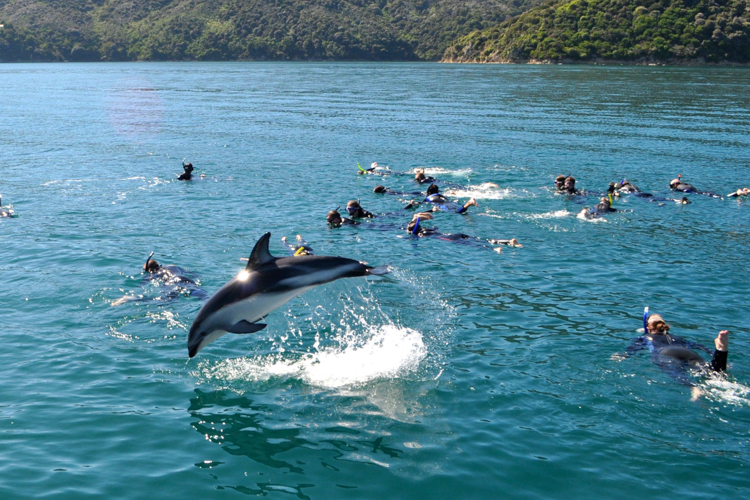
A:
244, 275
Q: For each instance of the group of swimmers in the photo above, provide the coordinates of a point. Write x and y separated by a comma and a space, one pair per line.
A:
432, 201
567, 185
676, 356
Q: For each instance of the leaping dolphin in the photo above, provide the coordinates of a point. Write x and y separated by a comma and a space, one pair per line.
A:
266, 283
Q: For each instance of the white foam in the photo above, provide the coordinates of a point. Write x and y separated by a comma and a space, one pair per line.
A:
484, 191
557, 214
463, 172
722, 390
384, 352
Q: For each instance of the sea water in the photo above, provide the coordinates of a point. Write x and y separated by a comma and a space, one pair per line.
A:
464, 373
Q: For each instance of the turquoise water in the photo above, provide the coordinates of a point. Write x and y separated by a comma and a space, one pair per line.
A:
463, 374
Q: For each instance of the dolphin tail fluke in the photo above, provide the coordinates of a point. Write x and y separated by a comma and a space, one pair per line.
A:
379, 271
246, 327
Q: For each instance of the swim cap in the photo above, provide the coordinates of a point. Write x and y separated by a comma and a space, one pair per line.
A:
379, 189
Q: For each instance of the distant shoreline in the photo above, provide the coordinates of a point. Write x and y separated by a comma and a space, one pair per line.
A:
599, 62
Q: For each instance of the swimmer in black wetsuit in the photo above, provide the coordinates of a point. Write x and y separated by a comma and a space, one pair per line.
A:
174, 281
678, 185
739, 192
415, 228
355, 210
421, 178
677, 356
187, 174
7, 212
604, 206
440, 202
299, 248
569, 187
335, 220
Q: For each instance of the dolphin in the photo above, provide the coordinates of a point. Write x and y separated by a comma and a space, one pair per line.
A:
266, 284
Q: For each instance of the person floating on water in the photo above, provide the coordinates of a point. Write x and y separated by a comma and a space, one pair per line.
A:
739, 192
676, 356
440, 202
421, 178
296, 249
335, 220
356, 211
604, 206
173, 280
678, 185
5, 212
569, 186
416, 229
188, 173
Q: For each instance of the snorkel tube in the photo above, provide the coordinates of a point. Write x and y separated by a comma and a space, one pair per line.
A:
145, 266
361, 170
645, 319
415, 229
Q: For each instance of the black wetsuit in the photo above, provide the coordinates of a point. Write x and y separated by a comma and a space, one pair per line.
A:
689, 188
676, 356
442, 203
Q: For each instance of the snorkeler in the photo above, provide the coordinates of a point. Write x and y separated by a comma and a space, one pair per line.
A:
569, 186
587, 214
604, 206
300, 248
173, 280
739, 192
6, 212
560, 182
188, 173
675, 355
678, 185
335, 220
421, 178
415, 228
440, 202
355, 210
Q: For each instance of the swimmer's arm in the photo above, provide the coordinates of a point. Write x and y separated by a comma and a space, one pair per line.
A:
638, 344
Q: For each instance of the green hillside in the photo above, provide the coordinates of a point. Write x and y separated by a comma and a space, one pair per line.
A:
121, 30
675, 31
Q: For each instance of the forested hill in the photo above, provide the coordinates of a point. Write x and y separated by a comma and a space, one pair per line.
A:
121, 30
619, 30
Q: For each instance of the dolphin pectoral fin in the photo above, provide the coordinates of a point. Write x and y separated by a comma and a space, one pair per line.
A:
260, 254
245, 326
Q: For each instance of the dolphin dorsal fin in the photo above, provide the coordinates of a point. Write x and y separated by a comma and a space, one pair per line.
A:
260, 254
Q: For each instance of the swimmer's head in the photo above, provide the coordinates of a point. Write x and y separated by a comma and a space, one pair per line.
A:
334, 218
433, 189
151, 266
188, 167
560, 180
674, 182
570, 182
353, 207
379, 189
605, 201
420, 176
684, 200
657, 325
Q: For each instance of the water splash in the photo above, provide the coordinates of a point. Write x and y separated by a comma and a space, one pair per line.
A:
721, 390
486, 191
384, 352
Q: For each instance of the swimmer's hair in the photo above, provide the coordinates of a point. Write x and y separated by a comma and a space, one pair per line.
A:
420, 175
187, 166
333, 214
560, 178
379, 189
674, 182
433, 189
353, 204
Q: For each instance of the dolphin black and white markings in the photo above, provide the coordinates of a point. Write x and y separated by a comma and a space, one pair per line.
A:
266, 283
